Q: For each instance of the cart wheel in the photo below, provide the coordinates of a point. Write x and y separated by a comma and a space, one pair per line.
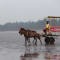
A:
47, 40
52, 40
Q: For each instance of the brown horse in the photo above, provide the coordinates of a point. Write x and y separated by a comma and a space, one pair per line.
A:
29, 34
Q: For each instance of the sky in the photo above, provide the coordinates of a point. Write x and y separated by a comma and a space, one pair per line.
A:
27, 10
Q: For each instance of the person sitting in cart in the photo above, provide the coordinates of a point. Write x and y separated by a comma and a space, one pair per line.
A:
47, 28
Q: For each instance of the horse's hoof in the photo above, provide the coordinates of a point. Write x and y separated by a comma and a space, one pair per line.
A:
36, 44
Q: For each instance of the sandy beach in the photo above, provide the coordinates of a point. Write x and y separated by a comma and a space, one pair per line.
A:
12, 48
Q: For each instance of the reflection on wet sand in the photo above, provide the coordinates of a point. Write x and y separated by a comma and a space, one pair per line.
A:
30, 53
51, 54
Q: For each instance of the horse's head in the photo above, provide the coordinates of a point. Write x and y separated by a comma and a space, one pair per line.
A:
22, 31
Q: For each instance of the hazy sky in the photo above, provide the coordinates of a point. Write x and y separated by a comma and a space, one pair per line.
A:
24, 10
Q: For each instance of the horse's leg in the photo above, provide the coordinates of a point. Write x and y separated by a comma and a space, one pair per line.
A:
40, 41
25, 41
35, 41
29, 40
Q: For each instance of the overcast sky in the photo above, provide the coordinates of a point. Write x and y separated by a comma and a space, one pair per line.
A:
27, 10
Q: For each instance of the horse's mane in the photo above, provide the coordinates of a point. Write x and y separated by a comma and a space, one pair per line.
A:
22, 29
28, 30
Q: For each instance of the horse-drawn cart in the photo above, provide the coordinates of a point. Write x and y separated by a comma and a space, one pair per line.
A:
49, 38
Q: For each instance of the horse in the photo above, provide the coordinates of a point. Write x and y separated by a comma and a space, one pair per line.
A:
29, 34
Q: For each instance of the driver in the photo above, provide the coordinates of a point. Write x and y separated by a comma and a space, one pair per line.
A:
47, 28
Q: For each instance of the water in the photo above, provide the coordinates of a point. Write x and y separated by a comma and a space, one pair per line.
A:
12, 48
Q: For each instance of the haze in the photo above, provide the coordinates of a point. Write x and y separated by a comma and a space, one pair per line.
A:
27, 10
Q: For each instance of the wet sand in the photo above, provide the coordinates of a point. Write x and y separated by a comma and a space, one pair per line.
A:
12, 48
